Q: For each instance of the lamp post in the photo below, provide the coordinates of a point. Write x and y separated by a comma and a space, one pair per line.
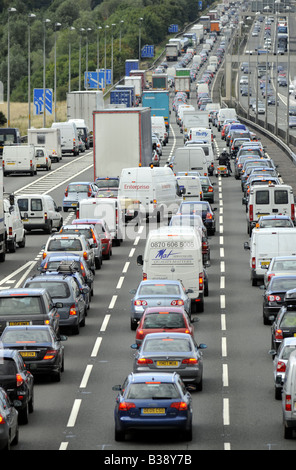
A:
86, 56
112, 68
288, 79
105, 72
56, 25
120, 24
140, 24
10, 10
69, 80
98, 52
30, 15
80, 31
44, 70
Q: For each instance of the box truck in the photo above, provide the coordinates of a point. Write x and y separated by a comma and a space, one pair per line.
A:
159, 103
81, 104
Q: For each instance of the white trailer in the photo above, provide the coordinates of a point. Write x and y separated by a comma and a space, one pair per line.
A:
50, 138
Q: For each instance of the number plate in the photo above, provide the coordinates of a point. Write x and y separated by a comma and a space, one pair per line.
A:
262, 215
74, 204
153, 411
27, 353
265, 263
19, 323
167, 363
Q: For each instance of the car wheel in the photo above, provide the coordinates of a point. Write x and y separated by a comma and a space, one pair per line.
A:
277, 393
22, 244
133, 325
76, 329
188, 434
15, 440
199, 385
119, 435
98, 263
56, 377
288, 432
82, 323
12, 247
24, 415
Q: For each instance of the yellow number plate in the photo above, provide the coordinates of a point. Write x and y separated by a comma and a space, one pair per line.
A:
154, 411
27, 354
18, 323
262, 215
167, 363
265, 263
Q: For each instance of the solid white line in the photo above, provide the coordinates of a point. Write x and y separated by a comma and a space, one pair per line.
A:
86, 375
225, 375
126, 266
224, 346
15, 272
96, 347
226, 420
105, 322
33, 263
113, 300
119, 284
74, 413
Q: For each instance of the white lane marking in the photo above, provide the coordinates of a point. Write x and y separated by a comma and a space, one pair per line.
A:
74, 413
64, 445
132, 252
113, 301
222, 282
105, 322
223, 322
137, 239
225, 375
15, 272
33, 263
86, 376
224, 346
96, 347
222, 301
226, 419
126, 266
119, 284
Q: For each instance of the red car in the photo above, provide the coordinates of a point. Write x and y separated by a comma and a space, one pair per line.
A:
105, 235
160, 319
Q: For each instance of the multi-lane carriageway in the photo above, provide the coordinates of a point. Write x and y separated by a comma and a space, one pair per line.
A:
236, 409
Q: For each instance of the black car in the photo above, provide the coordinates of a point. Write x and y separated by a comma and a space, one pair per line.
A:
39, 346
274, 295
284, 325
28, 307
18, 383
9, 426
202, 208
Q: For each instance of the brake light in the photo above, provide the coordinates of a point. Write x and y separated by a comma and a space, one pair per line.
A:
293, 211
274, 298
19, 380
45, 216
288, 403
66, 192
210, 189
144, 361
190, 361
50, 354
31, 164
174, 303
279, 334
253, 262
72, 310
126, 405
104, 240
209, 216
10, 231
179, 405
85, 255
144, 277
2, 420
270, 276
140, 302
44, 255
281, 366
201, 281
89, 192
82, 270
251, 213
140, 334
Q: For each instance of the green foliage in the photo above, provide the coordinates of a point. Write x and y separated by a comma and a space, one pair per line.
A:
157, 16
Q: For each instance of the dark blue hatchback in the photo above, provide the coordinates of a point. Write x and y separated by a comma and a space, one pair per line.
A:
153, 401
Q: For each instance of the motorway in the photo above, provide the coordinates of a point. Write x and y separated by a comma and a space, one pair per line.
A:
236, 409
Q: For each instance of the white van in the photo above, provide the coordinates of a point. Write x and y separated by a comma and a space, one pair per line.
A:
176, 253
49, 138
19, 159
202, 88
83, 131
289, 397
15, 231
200, 133
267, 243
225, 113
208, 150
105, 208
39, 211
190, 186
69, 136
269, 199
42, 157
190, 158
158, 127
155, 189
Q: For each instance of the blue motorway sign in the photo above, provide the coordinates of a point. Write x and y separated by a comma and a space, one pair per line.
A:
147, 51
38, 101
102, 77
173, 28
95, 78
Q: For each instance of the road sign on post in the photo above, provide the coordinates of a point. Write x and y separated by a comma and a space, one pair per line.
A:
147, 51
38, 100
173, 28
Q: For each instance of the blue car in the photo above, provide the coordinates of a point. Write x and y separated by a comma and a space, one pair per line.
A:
153, 401
76, 191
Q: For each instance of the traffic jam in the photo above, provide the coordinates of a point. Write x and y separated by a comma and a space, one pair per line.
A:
173, 201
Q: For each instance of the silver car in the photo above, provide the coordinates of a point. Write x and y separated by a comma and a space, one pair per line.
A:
280, 265
92, 234
171, 352
157, 293
280, 360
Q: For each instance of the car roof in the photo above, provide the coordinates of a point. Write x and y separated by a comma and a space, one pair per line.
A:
28, 327
164, 309
160, 281
48, 276
80, 182
274, 217
140, 377
167, 335
22, 291
87, 221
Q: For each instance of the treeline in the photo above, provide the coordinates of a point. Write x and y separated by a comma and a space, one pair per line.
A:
85, 15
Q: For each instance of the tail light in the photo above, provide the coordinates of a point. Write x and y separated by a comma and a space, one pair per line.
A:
85, 255
175, 303
204, 247
274, 298
279, 334
143, 361
31, 164
94, 238
270, 276
73, 143
44, 255
72, 310
210, 189
140, 334
10, 231
82, 270
66, 192
140, 303
2, 420
253, 262
144, 277
251, 213
89, 192
201, 281
50, 354
77, 213
293, 212
190, 361
209, 216
288, 403
45, 216
126, 405
19, 380
179, 405
281, 366
104, 240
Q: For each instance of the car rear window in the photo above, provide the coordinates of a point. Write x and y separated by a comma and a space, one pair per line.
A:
64, 244
164, 320
78, 231
20, 305
36, 205
152, 390
289, 319
262, 197
281, 196
23, 204
25, 336
78, 188
283, 284
159, 289
57, 289
167, 345
7, 367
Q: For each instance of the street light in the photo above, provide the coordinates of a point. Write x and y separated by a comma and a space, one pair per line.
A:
69, 84
10, 10
56, 25
113, 24
30, 15
44, 70
81, 31
98, 52
140, 24
86, 56
105, 72
120, 24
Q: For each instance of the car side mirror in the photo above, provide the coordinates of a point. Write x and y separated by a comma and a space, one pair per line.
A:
246, 246
140, 260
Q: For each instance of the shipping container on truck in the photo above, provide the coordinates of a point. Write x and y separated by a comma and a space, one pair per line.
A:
121, 97
159, 103
160, 81
130, 88
139, 73
131, 64
215, 26
122, 138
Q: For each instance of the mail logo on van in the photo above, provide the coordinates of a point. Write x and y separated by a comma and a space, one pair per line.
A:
170, 257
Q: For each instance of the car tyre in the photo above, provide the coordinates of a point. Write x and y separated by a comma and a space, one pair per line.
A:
188, 434
22, 244
288, 432
15, 440
24, 415
119, 435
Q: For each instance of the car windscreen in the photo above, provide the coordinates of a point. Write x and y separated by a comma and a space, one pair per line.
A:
20, 305
21, 335
276, 223
192, 208
78, 231
167, 345
57, 289
78, 188
159, 289
187, 221
152, 390
163, 320
64, 244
